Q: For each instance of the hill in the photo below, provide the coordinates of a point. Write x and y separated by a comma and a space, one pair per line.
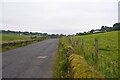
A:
107, 63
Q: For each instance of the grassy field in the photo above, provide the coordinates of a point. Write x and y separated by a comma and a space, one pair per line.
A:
12, 41
107, 51
13, 37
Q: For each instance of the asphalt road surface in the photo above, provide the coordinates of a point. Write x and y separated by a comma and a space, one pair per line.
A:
32, 61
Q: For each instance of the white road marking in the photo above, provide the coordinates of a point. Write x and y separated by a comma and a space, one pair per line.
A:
41, 56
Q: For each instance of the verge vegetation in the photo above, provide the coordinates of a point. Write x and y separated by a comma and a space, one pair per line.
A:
76, 56
12, 41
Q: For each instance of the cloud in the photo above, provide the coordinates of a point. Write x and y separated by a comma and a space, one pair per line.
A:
58, 16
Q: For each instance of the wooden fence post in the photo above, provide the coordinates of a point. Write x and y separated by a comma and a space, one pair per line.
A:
96, 51
82, 43
72, 44
82, 46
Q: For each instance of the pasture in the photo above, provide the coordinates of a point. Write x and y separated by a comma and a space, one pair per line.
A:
107, 51
107, 63
12, 41
13, 37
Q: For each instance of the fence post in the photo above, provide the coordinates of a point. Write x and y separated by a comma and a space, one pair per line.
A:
96, 51
82, 43
83, 47
71, 39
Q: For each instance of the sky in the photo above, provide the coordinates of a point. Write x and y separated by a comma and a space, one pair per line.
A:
57, 16
119, 11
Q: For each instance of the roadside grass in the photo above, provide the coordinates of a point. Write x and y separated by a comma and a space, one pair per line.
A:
81, 69
107, 53
60, 66
12, 41
72, 65
13, 37
9, 47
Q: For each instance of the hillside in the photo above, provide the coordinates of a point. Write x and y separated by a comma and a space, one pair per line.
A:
13, 37
107, 63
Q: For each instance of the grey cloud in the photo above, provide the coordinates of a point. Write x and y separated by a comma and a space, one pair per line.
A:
59, 16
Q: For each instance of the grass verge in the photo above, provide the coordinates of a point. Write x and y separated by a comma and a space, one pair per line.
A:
16, 44
69, 65
60, 66
80, 68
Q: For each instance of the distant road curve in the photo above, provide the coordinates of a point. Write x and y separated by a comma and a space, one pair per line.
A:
32, 61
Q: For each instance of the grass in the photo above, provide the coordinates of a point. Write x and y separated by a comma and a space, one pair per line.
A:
107, 53
60, 67
70, 65
10, 47
6, 38
81, 69
13, 37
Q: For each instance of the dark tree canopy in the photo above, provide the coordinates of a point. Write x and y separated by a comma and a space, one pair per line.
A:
116, 26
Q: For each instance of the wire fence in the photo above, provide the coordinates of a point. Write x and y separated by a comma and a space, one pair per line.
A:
99, 53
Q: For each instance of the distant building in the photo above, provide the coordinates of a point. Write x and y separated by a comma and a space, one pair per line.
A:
119, 12
96, 31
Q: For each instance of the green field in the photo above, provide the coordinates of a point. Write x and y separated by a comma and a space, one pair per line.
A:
13, 37
107, 51
12, 41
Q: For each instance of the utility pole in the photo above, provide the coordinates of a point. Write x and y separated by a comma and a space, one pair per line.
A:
119, 12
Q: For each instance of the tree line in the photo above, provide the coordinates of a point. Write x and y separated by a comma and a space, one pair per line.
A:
115, 27
32, 34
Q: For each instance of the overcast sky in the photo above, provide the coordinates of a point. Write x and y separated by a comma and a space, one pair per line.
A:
57, 16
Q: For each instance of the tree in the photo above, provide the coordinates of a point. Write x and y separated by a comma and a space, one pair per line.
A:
92, 31
26, 33
61, 35
44, 34
78, 34
106, 28
103, 28
116, 26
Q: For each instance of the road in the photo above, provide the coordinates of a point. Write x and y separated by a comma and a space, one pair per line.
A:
32, 61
